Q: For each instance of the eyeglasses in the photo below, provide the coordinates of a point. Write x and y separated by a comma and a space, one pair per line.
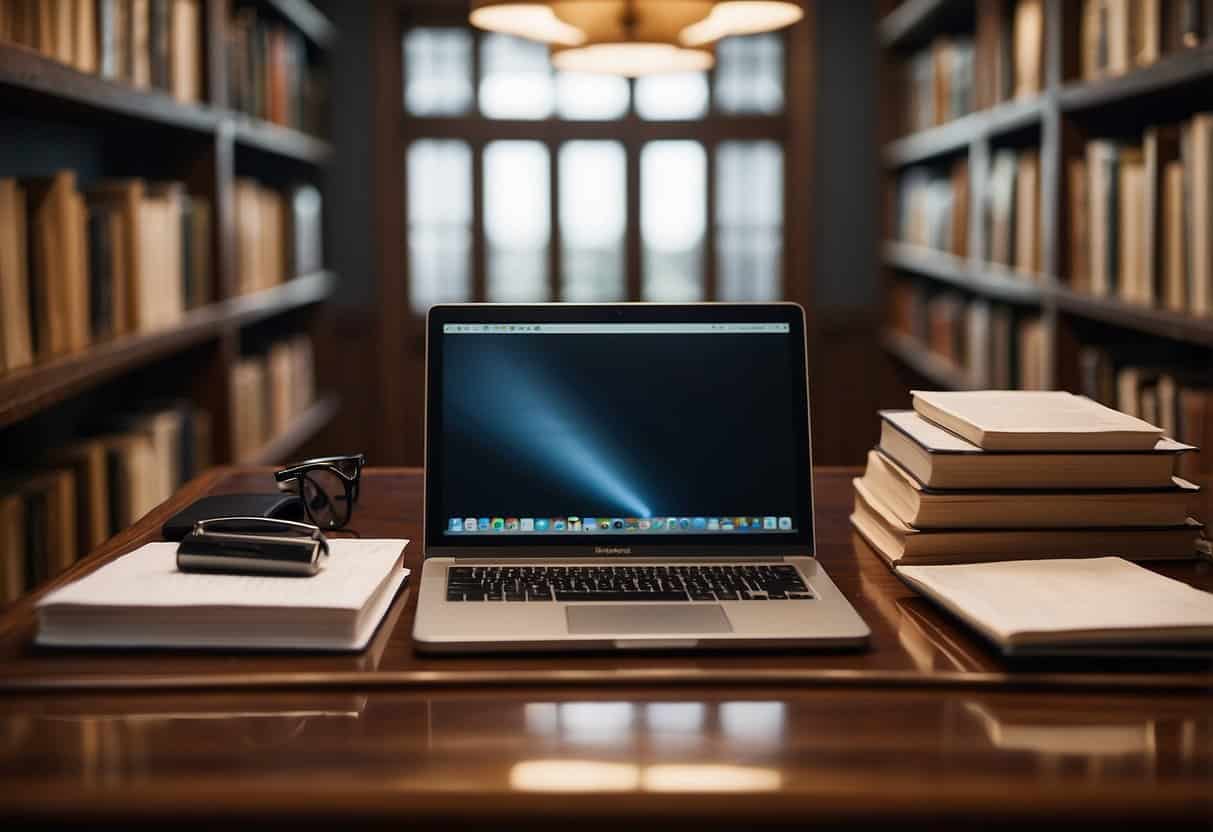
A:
328, 487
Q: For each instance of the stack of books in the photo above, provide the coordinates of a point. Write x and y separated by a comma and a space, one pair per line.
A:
996, 475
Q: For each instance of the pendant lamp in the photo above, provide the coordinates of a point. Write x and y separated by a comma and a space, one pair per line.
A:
633, 37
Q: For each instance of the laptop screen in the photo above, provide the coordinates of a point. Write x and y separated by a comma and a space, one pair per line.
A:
612, 436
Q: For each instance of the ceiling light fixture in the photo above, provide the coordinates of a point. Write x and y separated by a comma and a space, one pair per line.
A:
633, 37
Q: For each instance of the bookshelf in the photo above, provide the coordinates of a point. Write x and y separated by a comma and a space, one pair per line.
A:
57, 117
1131, 331
1066, 110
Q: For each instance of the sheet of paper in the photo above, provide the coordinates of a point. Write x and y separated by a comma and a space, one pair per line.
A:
148, 577
1065, 595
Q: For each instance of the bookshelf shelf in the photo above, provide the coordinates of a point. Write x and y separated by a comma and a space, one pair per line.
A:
24, 393
308, 19
983, 280
309, 423
279, 140
1192, 67
1164, 324
913, 18
293, 294
51, 85
957, 135
926, 364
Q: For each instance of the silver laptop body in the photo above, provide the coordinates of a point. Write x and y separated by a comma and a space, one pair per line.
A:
621, 477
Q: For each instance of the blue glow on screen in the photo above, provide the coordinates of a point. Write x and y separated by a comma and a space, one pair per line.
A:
610, 426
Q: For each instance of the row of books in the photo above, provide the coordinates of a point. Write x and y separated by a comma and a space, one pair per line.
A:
1012, 210
1179, 402
932, 208
939, 83
269, 75
988, 341
1141, 215
269, 392
1012, 475
957, 74
1010, 50
149, 44
1121, 35
279, 234
83, 494
81, 266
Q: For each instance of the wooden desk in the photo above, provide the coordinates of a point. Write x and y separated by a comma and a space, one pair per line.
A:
925, 727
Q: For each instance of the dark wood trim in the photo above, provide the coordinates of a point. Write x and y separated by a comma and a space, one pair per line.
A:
398, 394
476, 128
309, 423
925, 363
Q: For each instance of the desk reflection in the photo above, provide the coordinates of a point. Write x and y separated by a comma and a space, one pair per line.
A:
724, 742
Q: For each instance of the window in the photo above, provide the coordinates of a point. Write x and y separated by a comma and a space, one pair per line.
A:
520, 178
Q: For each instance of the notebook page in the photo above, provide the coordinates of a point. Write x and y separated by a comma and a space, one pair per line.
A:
1063, 595
148, 577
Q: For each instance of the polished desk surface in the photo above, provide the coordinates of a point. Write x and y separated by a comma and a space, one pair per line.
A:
927, 725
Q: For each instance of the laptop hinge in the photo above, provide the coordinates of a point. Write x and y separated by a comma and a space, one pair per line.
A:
574, 560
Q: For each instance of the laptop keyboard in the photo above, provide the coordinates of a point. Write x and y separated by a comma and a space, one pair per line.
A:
728, 582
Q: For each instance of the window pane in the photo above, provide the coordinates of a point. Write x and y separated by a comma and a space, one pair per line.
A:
517, 78
585, 96
517, 221
675, 96
673, 199
749, 74
749, 217
439, 222
593, 220
437, 72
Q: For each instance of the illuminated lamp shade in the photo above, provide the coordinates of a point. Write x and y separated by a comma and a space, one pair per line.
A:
742, 17
532, 20
631, 59
632, 37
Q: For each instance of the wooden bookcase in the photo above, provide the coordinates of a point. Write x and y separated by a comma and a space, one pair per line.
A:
1057, 121
206, 145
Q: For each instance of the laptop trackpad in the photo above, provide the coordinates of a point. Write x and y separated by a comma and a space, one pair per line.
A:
632, 619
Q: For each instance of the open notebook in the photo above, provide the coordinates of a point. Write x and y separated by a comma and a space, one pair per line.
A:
1066, 606
141, 600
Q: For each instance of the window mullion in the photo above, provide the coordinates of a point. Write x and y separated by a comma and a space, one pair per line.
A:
555, 254
710, 280
479, 241
635, 257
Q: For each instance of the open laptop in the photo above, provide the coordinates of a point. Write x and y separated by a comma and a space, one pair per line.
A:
632, 477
